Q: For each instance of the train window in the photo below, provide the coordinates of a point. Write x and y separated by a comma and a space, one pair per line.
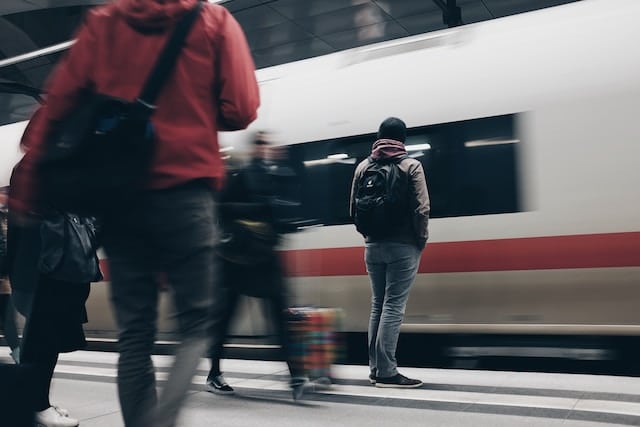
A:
32, 72
471, 169
16, 107
34, 29
39, 27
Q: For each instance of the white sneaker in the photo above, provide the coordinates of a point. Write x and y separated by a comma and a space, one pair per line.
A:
55, 417
15, 355
61, 411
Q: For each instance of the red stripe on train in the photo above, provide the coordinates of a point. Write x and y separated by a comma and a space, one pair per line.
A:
530, 253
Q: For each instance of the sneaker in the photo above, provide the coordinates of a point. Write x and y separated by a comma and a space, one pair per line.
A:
298, 386
218, 385
52, 417
15, 355
397, 381
61, 411
372, 377
321, 384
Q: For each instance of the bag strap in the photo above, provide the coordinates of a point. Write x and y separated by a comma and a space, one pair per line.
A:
167, 59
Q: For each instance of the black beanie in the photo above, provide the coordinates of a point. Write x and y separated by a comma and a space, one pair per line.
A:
393, 128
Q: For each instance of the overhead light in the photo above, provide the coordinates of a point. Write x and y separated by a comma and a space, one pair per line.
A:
225, 149
349, 161
339, 156
318, 162
486, 142
217, 1
331, 161
418, 147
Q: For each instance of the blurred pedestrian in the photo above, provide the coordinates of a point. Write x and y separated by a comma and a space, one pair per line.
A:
250, 265
390, 207
7, 311
8, 320
170, 226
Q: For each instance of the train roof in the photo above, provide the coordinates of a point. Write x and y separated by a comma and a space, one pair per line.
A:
284, 31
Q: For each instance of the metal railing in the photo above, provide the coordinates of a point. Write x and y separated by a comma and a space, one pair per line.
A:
36, 54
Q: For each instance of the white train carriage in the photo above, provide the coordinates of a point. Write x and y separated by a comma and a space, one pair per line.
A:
528, 131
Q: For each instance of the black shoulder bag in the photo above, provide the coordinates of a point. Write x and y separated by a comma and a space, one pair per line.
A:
68, 248
97, 158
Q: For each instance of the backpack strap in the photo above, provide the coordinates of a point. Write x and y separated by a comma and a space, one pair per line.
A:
167, 59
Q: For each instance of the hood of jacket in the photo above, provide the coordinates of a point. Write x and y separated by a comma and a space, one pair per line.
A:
153, 14
387, 148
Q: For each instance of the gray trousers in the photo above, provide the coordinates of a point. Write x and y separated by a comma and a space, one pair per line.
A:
170, 231
392, 269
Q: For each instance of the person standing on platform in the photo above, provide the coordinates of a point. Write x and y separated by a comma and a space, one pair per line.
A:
390, 207
170, 227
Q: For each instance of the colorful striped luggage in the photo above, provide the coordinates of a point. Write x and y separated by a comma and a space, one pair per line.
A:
315, 339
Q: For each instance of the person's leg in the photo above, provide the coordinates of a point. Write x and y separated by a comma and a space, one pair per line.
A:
43, 364
11, 330
377, 270
224, 310
40, 356
277, 306
134, 295
39, 352
402, 267
220, 328
183, 229
4, 302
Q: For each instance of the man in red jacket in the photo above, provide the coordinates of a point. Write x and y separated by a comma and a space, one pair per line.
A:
170, 228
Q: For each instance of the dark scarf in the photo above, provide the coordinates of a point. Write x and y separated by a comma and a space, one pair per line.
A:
387, 148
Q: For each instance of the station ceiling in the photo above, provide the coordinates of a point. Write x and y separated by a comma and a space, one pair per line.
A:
281, 31
287, 30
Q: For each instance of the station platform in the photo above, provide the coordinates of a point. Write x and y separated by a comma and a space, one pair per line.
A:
85, 384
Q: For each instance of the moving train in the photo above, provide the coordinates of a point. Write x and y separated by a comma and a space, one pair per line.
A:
527, 127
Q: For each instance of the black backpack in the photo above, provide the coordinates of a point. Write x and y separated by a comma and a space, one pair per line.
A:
381, 198
97, 158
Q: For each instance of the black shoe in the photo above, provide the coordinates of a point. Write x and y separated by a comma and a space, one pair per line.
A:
218, 385
298, 386
397, 381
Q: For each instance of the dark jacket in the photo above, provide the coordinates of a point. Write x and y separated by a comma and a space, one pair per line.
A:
415, 229
250, 262
213, 87
248, 194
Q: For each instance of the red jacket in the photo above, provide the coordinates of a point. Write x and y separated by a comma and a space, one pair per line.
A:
213, 87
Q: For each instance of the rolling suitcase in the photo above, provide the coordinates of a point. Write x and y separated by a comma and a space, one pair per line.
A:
316, 342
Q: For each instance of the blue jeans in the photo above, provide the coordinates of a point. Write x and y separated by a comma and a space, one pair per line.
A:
392, 268
171, 231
